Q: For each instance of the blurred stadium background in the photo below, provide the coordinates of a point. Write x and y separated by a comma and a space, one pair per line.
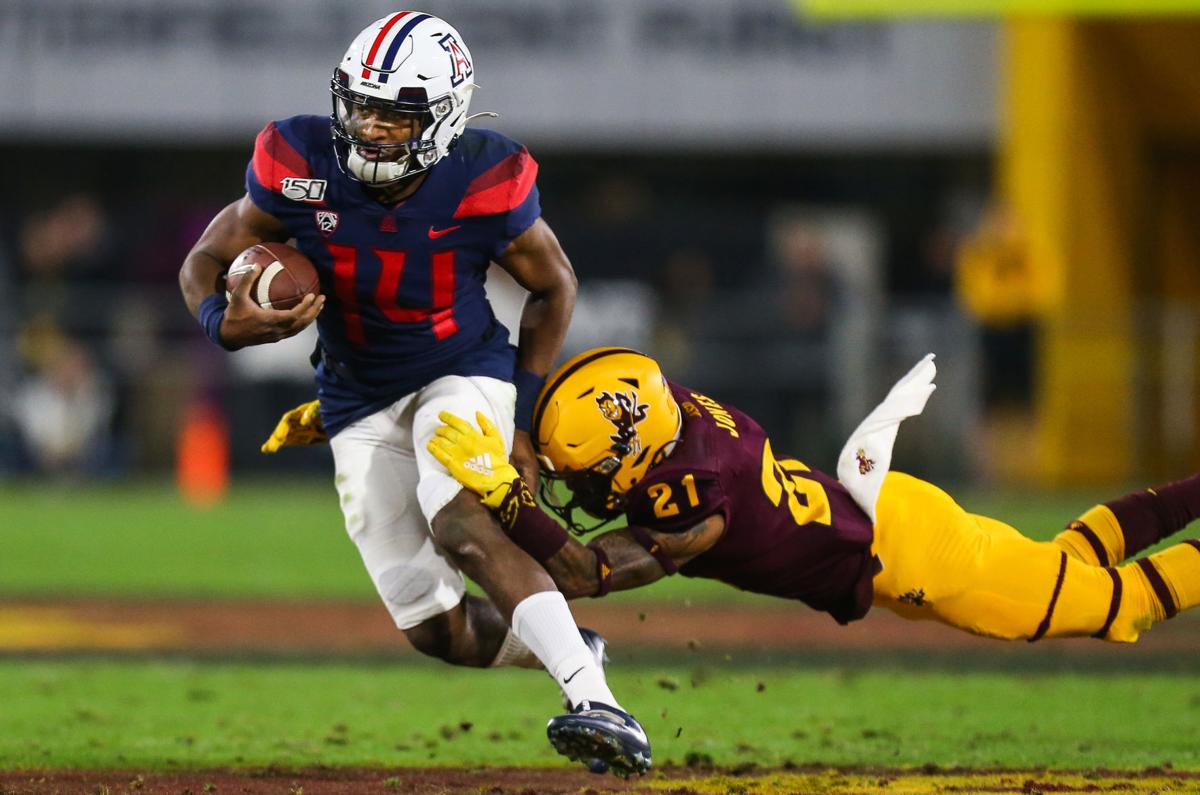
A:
787, 203
786, 209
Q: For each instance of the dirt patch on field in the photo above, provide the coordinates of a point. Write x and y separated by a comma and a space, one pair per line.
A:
553, 781
40, 625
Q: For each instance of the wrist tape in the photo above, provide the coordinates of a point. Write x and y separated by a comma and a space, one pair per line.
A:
603, 571
528, 525
212, 312
528, 386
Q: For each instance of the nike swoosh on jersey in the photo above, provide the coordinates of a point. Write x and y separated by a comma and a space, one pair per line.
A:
434, 234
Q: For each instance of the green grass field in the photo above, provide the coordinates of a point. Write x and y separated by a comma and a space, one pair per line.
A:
285, 541
270, 539
134, 714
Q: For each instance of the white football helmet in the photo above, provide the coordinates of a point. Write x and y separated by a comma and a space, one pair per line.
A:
407, 66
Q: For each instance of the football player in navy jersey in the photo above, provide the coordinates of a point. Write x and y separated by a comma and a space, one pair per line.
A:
707, 496
402, 208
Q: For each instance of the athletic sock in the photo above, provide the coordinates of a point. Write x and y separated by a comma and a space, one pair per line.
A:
1149, 516
545, 624
1174, 577
1094, 538
1120, 529
513, 652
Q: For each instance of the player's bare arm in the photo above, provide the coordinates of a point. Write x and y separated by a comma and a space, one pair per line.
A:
576, 568
237, 227
537, 262
618, 560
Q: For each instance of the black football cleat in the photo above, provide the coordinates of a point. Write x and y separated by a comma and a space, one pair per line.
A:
597, 734
596, 644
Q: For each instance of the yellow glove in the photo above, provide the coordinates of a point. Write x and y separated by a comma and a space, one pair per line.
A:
476, 460
300, 426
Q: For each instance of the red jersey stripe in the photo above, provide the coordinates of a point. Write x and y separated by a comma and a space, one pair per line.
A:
443, 279
388, 286
275, 159
345, 287
501, 188
444, 324
379, 40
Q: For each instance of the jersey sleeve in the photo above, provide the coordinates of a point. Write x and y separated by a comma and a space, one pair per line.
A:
676, 502
275, 159
509, 191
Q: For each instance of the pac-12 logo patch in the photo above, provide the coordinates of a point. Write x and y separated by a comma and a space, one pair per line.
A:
460, 67
304, 190
327, 221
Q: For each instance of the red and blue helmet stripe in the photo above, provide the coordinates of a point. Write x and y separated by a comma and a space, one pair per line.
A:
370, 63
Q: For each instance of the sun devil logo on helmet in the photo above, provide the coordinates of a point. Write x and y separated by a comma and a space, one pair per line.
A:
624, 412
460, 67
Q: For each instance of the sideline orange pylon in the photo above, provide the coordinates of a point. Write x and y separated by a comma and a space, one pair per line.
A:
202, 454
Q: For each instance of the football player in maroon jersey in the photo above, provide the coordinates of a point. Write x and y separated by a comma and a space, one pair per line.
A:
706, 496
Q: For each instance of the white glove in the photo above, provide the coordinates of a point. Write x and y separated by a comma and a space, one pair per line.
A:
867, 456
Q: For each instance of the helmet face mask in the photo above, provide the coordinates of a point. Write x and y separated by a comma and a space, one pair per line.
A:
400, 97
591, 491
602, 421
374, 161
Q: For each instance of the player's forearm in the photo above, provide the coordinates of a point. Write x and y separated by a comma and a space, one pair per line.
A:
573, 569
199, 278
613, 561
537, 262
237, 227
543, 328
631, 566
571, 565
544, 323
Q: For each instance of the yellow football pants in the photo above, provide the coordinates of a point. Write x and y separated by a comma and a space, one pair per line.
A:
978, 574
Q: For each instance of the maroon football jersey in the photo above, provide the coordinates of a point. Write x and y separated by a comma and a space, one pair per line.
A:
790, 531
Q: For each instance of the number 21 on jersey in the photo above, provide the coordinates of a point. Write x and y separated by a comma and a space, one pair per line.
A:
664, 505
782, 480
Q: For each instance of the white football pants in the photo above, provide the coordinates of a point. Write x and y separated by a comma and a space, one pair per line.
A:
390, 489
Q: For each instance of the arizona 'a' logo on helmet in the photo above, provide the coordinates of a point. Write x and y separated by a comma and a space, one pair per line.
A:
406, 66
460, 62
602, 420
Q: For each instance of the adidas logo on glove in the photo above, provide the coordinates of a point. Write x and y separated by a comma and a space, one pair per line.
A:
481, 463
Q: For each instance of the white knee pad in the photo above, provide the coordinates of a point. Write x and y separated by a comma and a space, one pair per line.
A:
377, 488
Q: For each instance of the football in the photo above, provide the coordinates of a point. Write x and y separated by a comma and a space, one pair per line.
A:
286, 276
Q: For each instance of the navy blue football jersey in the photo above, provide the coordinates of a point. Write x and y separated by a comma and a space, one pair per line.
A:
404, 285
